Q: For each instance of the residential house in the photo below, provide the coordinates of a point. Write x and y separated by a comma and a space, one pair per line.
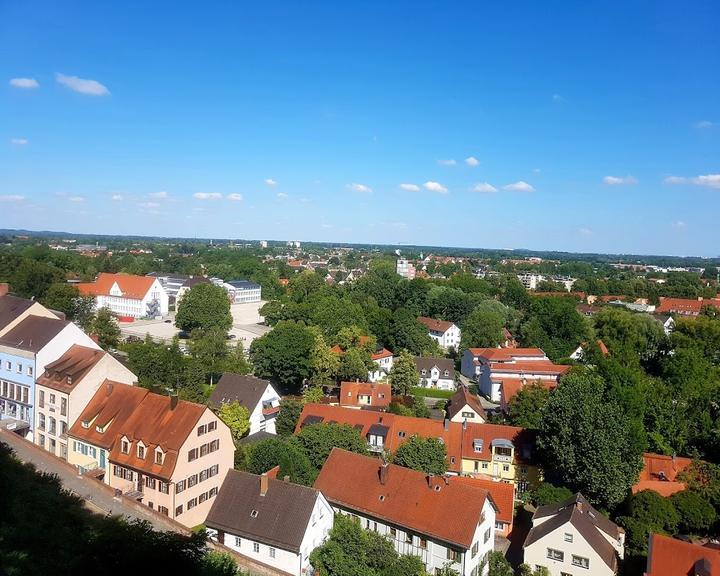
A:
491, 451
405, 268
255, 394
668, 323
411, 508
271, 521
384, 360
474, 359
464, 406
573, 538
169, 454
503, 495
25, 350
365, 395
660, 473
685, 306
508, 340
65, 388
435, 372
446, 334
128, 296
670, 557
14, 309
579, 352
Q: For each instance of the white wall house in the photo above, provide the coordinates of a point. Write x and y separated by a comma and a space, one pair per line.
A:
405, 269
446, 334
435, 373
249, 509
574, 538
384, 361
127, 295
412, 509
255, 394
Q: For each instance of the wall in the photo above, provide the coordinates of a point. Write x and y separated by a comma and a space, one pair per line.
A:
257, 420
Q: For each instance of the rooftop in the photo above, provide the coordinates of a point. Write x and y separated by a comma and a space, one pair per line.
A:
380, 394
246, 390
671, 557
435, 325
68, 371
463, 397
11, 307
33, 333
131, 286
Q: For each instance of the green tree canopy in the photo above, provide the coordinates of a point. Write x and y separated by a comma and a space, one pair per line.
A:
554, 325
206, 307
236, 417
403, 375
318, 440
526, 408
290, 410
106, 329
423, 454
482, 329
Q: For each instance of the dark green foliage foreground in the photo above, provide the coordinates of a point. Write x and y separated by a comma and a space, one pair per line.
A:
44, 530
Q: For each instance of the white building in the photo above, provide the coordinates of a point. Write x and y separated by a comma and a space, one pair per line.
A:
435, 372
574, 538
263, 243
446, 334
440, 519
384, 360
127, 295
243, 291
405, 269
271, 521
66, 387
255, 394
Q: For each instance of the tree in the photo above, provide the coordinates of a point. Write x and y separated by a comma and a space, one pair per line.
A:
32, 279
423, 454
499, 566
324, 363
192, 388
236, 361
546, 494
209, 349
555, 326
61, 297
526, 408
628, 336
236, 417
288, 417
312, 395
318, 440
406, 332
655, 512
106, 329
482, 329
286, 453
578, 421
403, 376
354, 365
696, 515
206, 307
283, 355
525, 570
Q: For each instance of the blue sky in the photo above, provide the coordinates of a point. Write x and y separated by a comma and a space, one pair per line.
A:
581, 126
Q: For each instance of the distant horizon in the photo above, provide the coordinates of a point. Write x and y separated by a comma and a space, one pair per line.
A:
712, 260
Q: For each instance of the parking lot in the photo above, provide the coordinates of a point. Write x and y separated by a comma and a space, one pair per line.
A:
247, 325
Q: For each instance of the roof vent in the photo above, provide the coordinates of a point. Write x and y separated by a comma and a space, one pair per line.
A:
382, 498
437, 487
253, 514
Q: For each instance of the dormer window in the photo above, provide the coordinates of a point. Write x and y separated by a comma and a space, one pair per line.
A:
423, 372
86, 424
99, 428
125, 446
159, 456
478, 445
69, 379
447, 373
141, 450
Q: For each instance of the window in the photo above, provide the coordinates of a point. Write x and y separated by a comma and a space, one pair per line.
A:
192, 503
568, 537
393, 532
53, 424
408, 538
141, 451
256, 547
52, 398
212, 426
213, 492
203, 497
41, 397
125, 447
163, 487
555, 554
468, 414
63, 406
41, 421
163, 510
580, 561
178, 510
19, 368
180, 487
506, 467
159, 456
486, 537
192, 454
271, 551
499, 525
29, 370
401, 434
453, 555
192, 480
201, 430
238, 541
150, 482
475, 549
8, 366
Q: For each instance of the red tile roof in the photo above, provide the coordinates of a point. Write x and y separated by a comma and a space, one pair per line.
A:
679, 306
384, 353
380, 394
435, 325
407, 498
68, 371
502, 493
534, 367
670, 557
509, 387
463, 397
131, 286
659, 473
506, 354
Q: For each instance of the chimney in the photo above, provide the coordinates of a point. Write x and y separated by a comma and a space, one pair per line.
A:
263, 484
173, 400
430, 480
383, 473
579, 506
446, 424
4, 288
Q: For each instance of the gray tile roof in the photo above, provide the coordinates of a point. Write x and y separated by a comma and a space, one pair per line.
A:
33, 333
247, 390
11, 307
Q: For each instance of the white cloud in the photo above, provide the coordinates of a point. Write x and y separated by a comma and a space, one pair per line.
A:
484, 187
360, 188
12, 198
18, 141
207, 195
585, 231
27, 83
536, 170
82, 85
619, 180
519, 186
234, 197
709, 180
76, 199
679, 224
149, 205
410, 187
117, 197
449, 162
675, 180
472, 161
281, 195
161, 194
305, 200
435, 187
704, 124
557, 98
270, 182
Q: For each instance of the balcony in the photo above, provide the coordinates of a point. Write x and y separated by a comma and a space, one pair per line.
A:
502, 458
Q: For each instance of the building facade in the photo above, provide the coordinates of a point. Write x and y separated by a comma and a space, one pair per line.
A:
255, 394
128, 296
435, 372
446, 334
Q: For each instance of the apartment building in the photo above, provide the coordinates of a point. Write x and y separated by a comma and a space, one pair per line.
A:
446, 334
128, 296
411, 508
169, 454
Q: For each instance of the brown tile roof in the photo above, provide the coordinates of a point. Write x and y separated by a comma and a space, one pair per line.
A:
11, 307
502, 493
671, 557
463, 397
408, 498
659, 473
588, 521
282, 515
680, 306
435, 325
33, 333
246, 390
384, 353
111, 406
429, 362
505, 354
534, 367
380, 394
68, 371
133, 287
